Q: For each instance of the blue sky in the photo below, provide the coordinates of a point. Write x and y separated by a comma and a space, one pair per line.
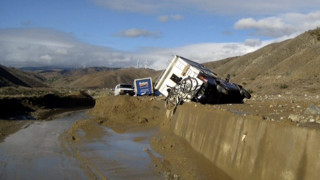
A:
123, 33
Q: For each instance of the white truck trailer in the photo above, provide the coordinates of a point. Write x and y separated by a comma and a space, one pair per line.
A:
181, 68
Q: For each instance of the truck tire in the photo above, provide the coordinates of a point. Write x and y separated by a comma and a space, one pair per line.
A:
245, 93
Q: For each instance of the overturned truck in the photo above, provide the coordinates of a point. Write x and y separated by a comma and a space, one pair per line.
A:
185, 80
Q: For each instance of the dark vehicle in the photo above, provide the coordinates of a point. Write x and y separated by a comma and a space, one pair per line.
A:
215, 91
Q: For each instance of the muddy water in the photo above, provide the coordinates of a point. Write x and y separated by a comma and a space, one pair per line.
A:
39, 151
35, 152
114, 155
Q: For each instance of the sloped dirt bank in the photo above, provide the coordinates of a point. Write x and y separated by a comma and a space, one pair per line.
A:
41, 107
14, 110
123, 113
8, 127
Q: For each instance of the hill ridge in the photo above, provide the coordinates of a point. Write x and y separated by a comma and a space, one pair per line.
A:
16, 77
291, 62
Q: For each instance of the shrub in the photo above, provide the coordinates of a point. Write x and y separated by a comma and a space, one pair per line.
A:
250, 91
283, 86
316, 33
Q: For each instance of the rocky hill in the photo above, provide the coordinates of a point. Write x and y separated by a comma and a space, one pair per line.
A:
291, 65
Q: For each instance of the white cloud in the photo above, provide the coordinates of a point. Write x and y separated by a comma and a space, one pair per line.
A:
45, 47
142, 6
166, 18
177, 17
211, 6
62, 51
135, 33
46, 57
272, 26
253, 42
282, 25
202, 52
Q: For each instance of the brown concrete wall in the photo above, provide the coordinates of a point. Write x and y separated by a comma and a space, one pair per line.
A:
246, 147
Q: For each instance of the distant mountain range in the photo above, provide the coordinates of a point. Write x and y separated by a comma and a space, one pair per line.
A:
95, 77
289, 65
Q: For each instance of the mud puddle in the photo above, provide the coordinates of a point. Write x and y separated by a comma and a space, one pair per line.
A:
112, 155
35, 151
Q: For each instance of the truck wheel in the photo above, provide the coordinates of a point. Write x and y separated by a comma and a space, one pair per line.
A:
245, 93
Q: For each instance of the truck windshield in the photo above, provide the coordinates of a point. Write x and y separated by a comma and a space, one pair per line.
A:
125, 86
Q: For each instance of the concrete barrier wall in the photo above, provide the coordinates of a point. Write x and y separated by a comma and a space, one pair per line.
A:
246, 147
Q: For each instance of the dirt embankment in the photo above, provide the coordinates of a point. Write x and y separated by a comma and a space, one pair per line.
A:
123, 113
41, 107
15, 108
8, 127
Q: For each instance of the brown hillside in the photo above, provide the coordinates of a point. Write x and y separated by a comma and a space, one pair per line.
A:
289, 65
16, 77
104, 79
53, 74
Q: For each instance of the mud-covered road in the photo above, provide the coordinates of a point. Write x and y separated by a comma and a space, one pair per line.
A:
36, 151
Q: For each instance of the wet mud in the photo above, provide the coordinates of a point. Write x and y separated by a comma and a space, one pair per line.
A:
107, 154
36, 152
